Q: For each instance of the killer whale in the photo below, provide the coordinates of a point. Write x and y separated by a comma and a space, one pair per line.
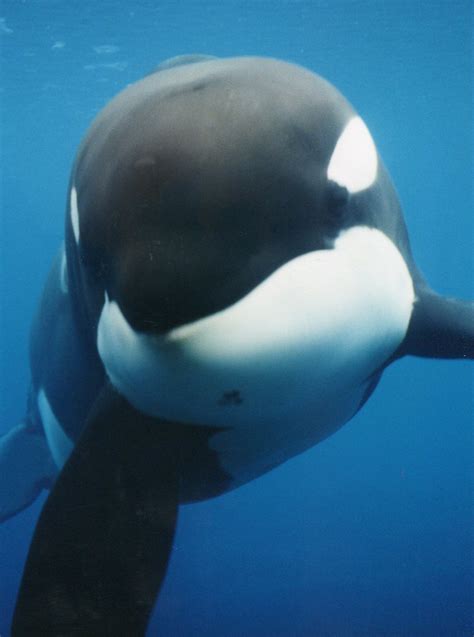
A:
224, 220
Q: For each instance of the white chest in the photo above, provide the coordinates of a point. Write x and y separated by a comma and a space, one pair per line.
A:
283, 367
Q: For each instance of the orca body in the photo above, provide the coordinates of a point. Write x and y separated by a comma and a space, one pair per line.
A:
236, 276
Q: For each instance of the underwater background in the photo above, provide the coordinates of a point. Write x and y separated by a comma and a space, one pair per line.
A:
372, 532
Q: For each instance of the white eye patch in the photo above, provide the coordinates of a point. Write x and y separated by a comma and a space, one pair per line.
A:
354, 163
74, 214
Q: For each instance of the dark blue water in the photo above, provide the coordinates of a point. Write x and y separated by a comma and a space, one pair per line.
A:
371, 533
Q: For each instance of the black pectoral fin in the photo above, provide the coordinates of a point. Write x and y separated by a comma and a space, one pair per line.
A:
101, 546
440, 327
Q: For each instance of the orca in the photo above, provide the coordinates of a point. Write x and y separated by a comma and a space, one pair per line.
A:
235, 277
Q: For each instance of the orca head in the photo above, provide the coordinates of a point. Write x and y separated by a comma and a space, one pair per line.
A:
199, 182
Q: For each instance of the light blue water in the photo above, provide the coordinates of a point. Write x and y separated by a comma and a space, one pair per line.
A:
371, 533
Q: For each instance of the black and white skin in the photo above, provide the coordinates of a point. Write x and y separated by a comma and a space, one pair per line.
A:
235, 277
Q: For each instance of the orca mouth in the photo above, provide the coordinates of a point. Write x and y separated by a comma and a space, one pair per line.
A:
167, 291
161, 312
323, 316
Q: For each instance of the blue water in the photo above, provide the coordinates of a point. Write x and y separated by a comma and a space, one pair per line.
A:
370, 533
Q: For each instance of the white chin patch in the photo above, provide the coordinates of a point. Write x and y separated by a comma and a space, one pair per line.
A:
74, 214
354, 164
320, 324
59, 443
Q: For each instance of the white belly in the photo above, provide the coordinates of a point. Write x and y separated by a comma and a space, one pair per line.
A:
283, 367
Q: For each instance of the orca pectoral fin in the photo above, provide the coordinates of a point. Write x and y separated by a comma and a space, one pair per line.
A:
101, 546
26, 467
440, 327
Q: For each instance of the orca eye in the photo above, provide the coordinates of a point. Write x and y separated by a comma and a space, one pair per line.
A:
337, 196
353, 164
93, 265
